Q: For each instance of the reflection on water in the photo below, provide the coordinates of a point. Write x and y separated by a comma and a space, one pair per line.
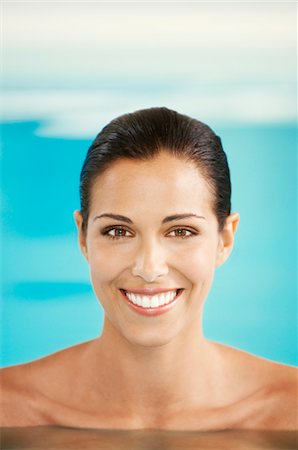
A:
56, 438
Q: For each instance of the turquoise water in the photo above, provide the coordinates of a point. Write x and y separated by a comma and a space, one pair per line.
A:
48, 303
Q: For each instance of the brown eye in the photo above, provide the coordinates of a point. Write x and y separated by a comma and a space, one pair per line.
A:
182, 233
116, 232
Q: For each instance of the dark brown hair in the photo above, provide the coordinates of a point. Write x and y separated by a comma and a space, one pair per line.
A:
141, 135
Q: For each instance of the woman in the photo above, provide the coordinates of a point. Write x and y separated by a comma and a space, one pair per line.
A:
154, 223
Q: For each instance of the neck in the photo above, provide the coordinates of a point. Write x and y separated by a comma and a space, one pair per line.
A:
183, 371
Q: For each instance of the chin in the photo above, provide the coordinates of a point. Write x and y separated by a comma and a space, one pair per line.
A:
154, 342
150, 338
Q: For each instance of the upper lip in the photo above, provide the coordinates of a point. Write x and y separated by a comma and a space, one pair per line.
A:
150, 291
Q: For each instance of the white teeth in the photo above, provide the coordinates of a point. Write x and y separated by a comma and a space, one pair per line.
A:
167, 298
154, 301
134, 299
163, 298
145, 301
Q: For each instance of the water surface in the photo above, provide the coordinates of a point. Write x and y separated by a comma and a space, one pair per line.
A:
56, 438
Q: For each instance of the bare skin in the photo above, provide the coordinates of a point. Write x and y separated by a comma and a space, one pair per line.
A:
152, 372
56, 391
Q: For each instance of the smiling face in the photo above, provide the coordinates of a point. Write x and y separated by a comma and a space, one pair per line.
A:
152, 229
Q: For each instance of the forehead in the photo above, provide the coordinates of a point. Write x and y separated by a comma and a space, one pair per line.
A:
165, 183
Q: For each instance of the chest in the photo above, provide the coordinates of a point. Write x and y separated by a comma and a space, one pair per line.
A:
256, 414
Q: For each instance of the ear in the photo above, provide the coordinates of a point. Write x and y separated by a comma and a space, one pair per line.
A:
81, 235
226, 239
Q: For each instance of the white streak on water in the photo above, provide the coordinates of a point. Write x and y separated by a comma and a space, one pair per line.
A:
75, 114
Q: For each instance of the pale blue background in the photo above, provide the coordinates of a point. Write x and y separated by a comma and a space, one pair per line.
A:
230, 65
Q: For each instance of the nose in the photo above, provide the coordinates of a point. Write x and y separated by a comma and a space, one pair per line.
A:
150, 262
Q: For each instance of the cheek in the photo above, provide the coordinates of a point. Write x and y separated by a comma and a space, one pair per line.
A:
104, 266
103, 270
198, 263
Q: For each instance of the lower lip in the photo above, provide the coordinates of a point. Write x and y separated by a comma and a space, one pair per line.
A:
153, 311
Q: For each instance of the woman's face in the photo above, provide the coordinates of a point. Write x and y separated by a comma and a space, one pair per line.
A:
151, 227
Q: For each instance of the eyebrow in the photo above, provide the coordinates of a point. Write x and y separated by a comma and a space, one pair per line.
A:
165, 220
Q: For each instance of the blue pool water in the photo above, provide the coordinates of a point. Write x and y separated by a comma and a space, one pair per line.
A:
47, 300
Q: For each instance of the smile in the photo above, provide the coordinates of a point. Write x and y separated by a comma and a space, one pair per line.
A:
152, 304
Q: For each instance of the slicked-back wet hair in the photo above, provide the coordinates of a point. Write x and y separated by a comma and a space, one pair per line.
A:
141, 135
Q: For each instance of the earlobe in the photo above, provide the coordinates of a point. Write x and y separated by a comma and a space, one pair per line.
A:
78, 218
227, 236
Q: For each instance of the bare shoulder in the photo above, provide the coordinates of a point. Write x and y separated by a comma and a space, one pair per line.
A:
14, 399
283, 396
21, 375
26, 387
269, 389
259, 367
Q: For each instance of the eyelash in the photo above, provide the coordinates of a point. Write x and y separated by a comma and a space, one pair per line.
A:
106, 232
